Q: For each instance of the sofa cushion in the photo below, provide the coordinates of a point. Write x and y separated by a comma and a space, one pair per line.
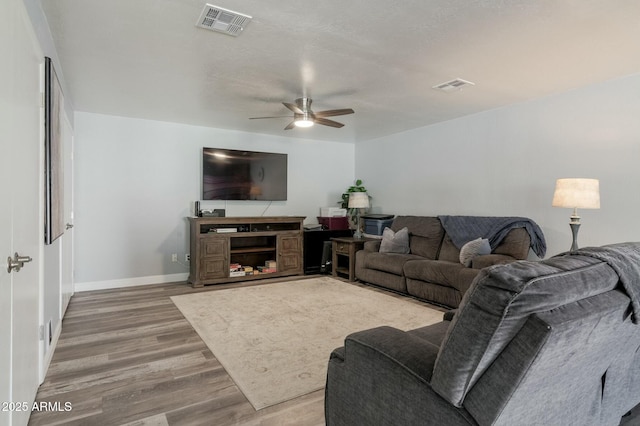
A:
448, 251
515, 244
434, 271
465, 279
472, 249
372, 245
560, 368
442, 295
395, 242
497, 305
388, 262
494, 228
486, 260
425, 234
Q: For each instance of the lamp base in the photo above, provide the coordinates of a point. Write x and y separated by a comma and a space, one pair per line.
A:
574, 231
358, 234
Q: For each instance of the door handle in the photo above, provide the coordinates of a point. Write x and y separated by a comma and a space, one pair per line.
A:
69, 225
17, 262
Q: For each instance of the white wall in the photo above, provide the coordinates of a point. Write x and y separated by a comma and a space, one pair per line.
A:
43, 33
505, 162
137, 180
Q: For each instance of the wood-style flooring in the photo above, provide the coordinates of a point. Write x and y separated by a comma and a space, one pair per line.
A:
128, 357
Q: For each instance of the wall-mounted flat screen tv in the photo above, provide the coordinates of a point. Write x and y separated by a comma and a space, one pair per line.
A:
229, 174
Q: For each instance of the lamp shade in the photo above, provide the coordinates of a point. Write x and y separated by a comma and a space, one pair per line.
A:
358, 200
577, 193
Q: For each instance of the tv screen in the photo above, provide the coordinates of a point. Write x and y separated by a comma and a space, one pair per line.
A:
229, 174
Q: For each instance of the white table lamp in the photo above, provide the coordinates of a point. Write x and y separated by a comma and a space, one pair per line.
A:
358, 200
576, 193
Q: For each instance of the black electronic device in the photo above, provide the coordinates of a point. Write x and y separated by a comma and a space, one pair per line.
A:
326, 266
317, 249
212, 213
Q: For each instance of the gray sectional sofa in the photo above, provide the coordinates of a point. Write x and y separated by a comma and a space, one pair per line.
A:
554, 342
432, 270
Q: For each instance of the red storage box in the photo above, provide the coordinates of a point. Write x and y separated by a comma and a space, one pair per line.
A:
334, 223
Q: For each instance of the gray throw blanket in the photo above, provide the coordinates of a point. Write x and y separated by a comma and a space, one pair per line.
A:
463, 229
624, 259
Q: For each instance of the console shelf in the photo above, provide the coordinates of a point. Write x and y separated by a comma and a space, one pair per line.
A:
253, 250
220, 243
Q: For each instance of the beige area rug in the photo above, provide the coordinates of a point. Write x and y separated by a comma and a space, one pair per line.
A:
274, 340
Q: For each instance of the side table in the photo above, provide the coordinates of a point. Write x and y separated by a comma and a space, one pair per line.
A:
344, 249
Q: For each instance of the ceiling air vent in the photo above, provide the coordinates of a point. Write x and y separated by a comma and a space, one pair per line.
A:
453, 85
216, 18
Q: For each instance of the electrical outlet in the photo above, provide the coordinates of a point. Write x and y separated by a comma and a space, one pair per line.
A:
174, 257
187, 257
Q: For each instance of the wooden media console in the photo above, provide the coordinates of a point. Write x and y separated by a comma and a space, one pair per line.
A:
228, 249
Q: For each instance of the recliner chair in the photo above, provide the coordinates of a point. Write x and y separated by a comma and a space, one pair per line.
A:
547, 343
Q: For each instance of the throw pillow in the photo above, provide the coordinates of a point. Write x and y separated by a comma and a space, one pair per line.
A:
472, 249
395, 242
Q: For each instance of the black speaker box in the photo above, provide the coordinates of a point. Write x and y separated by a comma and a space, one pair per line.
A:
326, 266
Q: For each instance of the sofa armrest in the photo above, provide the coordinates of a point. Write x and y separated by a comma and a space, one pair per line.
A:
485, 260
403, 350
373, 246
381, 377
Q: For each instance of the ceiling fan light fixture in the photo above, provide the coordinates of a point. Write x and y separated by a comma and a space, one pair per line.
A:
303, 122
303, 116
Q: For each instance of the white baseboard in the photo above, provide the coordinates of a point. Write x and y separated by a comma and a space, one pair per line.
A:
130, 282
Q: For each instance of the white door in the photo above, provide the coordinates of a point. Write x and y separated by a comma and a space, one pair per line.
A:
6, 221
21, 214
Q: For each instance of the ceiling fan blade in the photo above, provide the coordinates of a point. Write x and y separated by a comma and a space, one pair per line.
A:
275, 116
291, 125
334, 112
293, 107
326, 122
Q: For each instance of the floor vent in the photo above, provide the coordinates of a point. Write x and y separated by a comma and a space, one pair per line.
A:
453, 85
225, 21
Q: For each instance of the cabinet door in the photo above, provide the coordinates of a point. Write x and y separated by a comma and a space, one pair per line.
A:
290, 253
214, 258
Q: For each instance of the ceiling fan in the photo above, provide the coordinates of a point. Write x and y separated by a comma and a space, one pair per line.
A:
303, 116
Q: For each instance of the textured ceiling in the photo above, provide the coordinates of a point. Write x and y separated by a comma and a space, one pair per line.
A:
147, 59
